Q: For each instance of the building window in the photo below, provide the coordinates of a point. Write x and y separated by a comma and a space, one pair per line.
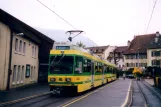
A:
155, 62
136, 64
145, 64
127, 64
27, 72
18, 75
20, 46
22, 74
32, 50
14, 74
155, 53
16, 44
35, 52
24, 47
127, 56
31, 72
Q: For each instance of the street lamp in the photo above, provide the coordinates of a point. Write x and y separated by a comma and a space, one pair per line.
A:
20, 34
138, 59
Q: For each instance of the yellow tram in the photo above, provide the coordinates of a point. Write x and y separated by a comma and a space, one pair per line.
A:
74, 69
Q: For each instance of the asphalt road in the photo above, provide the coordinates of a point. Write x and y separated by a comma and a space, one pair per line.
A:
110, 95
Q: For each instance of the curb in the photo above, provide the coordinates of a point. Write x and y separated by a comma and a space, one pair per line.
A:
23, 99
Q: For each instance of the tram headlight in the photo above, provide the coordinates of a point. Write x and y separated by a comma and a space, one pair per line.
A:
68, 79
52, 79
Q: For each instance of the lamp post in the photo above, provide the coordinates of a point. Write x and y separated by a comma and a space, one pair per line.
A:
138, 59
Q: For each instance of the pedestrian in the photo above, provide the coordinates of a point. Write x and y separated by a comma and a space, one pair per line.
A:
124, 76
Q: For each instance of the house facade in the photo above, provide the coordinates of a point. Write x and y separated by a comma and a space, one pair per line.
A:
117, 58
136, 54
154, 51
102, 51
21, 52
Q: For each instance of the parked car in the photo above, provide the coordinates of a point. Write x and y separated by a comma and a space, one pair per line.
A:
131, 76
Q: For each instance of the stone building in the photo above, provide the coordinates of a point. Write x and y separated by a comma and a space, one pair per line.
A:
22, 50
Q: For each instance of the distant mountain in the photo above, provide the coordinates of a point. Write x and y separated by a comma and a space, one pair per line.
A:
59, 35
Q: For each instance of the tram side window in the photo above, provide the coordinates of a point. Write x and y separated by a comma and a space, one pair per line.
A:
87, 65
79, 61
100, 67
96, 67
107, 69
110, 70
114, 70
104, 69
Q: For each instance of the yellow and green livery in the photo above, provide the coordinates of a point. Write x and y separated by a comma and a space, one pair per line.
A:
77, 71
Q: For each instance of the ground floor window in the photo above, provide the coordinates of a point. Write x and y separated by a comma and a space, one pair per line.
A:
14, 74
18, 74
22, 74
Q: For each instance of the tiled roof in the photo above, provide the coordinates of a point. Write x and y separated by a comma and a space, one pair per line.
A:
98, 48
121, 49
140, 43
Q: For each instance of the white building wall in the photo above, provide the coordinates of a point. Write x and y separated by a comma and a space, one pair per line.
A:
108, 50
20, 59
133, 61
4, 55
150, 58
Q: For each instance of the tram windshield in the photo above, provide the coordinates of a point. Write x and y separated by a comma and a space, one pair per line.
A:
61, 64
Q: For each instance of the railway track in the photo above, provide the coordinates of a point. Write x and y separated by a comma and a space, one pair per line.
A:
42, 101
143, 95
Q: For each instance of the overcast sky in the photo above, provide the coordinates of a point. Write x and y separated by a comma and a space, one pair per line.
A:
106, 22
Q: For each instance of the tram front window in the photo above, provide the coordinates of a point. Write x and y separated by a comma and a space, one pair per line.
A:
61, 64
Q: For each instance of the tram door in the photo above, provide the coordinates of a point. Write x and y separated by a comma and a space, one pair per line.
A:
92, 73
103, 74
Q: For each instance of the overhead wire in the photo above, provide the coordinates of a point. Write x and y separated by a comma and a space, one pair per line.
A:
62, 18
151, 16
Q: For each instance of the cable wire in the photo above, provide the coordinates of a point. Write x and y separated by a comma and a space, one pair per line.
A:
61, 18
57, 14
151, 16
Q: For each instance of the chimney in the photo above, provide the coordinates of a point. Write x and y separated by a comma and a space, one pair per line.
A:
157, 34
128, 43
157, 37
134, 36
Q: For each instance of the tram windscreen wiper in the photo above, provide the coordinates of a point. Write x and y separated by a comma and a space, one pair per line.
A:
52, 63
60, 59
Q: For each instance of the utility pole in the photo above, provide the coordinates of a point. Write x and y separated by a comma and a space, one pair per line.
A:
138, 59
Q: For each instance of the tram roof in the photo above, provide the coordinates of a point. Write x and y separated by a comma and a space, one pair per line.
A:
81, 53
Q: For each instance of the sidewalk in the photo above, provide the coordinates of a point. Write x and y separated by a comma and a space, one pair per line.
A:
23, 92
112, 95
150, 81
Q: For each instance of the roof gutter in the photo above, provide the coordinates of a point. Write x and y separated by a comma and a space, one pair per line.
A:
10, 59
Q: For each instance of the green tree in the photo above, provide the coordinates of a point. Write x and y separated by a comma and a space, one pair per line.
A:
80, 44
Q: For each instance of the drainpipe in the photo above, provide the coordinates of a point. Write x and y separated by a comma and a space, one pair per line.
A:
10, 60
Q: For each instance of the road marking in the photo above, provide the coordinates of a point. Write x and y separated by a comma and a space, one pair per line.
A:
77, 99
127, 96
23, 99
